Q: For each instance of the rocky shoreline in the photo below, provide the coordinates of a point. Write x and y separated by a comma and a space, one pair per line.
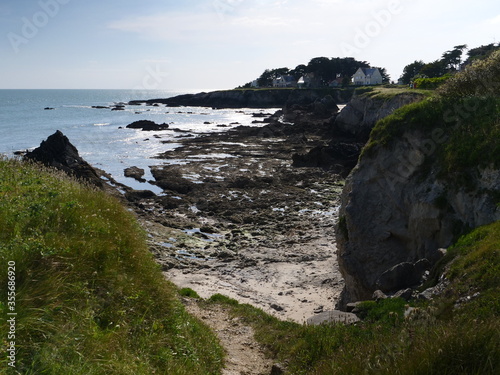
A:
237, 218
252, 212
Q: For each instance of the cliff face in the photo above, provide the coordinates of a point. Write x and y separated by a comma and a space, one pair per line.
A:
396, 213
362, 113
350, 130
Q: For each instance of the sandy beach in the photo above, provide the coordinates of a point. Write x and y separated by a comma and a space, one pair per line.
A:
238, 219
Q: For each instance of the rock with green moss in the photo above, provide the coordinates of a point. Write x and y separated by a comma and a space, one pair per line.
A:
429, 173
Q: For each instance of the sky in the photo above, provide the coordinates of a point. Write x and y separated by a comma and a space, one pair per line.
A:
221, 44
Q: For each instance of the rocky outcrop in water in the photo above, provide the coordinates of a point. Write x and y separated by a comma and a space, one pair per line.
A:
147, 125
58, 152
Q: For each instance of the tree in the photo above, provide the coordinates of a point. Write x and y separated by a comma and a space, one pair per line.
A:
434, 69
411, 70
453, 58
322, 68
481, 53
299, 71
266, 78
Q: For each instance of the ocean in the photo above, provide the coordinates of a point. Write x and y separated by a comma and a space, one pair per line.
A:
96, 133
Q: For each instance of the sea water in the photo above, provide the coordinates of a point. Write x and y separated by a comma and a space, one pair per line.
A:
100, 135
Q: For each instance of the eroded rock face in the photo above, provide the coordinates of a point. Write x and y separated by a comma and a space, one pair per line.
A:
362, 113
57, 151
395, 211
349, 131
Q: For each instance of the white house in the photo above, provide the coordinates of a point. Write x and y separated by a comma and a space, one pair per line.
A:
367, 76
284, 81
309, 80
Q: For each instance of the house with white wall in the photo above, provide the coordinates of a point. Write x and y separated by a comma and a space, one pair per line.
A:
284, 81
367, 76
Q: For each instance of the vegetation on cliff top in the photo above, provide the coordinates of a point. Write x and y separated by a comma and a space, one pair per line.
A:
461, 122
89, 297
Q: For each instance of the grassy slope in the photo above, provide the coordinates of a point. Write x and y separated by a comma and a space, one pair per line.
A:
90, 298
439, 338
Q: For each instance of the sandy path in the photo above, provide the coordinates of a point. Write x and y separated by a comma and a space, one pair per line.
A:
244, 355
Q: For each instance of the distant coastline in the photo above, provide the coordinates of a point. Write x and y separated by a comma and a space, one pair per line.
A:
251, 98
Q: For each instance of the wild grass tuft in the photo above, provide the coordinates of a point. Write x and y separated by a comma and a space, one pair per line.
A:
90, 298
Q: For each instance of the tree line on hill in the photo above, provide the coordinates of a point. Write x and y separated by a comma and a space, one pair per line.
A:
449, 63
338, 71
324, 70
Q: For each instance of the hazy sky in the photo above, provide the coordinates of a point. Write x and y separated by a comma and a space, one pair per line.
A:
213, 44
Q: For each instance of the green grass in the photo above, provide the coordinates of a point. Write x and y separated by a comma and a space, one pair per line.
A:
459, 123
438, 338
90, 298
386, 93
463, 132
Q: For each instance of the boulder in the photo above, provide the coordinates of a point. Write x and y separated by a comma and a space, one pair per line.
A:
147, 125
58, 152
333, 316
171, 179
403, 275
136, 173
339, 155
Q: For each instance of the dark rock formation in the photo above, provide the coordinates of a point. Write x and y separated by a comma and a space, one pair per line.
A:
172, 180
262, 98
135, 172
349, 129
147, 125
395, 211
58, 152
341, 157
402, 275
139, 195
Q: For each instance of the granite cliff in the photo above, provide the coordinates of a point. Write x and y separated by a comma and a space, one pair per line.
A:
362, 113
350, 129
427, 175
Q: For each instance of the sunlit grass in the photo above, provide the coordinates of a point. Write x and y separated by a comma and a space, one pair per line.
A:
90, 298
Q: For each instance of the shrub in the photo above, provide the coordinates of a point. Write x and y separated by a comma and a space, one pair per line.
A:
481, 78
430, 83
